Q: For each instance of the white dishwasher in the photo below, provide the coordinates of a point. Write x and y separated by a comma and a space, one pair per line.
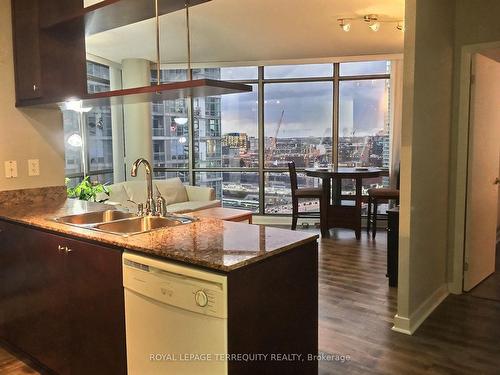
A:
176, 318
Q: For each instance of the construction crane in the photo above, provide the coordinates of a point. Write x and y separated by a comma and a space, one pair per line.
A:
273, 140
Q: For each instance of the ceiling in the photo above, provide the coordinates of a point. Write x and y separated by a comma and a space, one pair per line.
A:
257, 30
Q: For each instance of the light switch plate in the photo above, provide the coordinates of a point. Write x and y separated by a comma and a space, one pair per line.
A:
33, 167
11, 169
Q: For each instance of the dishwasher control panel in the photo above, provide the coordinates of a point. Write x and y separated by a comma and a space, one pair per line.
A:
179, 286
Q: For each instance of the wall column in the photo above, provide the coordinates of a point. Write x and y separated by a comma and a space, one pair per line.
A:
137, 118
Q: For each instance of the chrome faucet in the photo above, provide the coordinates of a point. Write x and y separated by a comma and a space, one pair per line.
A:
150, 207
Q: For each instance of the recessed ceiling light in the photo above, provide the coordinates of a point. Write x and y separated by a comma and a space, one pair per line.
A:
181, 120
75, 105
75, 140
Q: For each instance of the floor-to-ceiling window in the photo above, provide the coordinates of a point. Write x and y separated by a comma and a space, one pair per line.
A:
311, 114
90, 130
239, 144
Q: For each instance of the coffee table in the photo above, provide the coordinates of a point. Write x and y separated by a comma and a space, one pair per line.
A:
227, 214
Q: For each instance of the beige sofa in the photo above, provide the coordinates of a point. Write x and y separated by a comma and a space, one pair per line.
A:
180, 198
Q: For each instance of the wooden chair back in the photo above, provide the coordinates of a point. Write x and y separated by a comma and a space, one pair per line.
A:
293, 177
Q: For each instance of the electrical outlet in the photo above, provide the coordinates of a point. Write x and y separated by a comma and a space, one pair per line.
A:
33, 167
11, 169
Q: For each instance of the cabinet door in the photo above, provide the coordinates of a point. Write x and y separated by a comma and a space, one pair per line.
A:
26, 49
44, 328
34, 301
12, 278
96, 309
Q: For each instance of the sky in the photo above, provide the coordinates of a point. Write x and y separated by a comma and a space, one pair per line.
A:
308, 106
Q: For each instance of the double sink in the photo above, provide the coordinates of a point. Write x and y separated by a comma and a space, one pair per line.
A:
123, 223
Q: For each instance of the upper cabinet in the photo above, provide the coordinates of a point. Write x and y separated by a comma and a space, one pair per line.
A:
54, 38
49, 66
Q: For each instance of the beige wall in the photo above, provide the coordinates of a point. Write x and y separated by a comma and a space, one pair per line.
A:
427, 99
476, 23
433, 145
26, 134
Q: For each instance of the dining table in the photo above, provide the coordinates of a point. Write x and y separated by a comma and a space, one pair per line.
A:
333, 213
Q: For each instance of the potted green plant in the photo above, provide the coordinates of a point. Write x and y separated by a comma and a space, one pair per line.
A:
87, 190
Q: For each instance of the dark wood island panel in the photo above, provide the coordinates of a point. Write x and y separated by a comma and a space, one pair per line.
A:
273, 309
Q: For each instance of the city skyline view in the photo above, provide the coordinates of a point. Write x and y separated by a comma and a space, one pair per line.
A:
297, 125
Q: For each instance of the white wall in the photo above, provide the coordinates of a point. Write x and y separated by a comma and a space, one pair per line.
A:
26, 134
427, 99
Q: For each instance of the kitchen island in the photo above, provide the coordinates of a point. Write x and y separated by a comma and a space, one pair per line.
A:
50, 270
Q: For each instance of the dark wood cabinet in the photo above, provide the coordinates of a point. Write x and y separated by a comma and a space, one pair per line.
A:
393, 245
26, 49
43, 322
33, 299
50, 52
50, 65
61, 301
96, 309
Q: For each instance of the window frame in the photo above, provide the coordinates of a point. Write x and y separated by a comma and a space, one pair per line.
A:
261, 83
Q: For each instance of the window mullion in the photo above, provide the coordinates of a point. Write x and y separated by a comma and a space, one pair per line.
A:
191, 156
261, 133
336, 106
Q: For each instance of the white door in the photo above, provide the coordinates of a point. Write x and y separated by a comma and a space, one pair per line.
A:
482, 190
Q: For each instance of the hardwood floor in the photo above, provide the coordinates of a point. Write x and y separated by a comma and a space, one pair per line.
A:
356, 310
462, 336
10, 365
490, 288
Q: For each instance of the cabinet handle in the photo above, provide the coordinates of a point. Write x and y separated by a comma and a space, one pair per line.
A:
64, 249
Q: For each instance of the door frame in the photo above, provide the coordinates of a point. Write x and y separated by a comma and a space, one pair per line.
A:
457, 219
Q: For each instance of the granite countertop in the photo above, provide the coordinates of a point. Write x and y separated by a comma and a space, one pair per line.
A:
212, 243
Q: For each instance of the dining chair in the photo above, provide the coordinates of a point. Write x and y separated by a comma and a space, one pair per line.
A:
301, 193
376, 196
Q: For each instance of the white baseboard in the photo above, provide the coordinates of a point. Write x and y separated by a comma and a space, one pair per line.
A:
453, 289
401, 325
409, 325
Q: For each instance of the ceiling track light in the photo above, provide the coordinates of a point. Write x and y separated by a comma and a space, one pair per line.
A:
375, 26
346, 26
372, 21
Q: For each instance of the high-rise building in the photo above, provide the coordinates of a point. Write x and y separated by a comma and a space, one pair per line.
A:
236, 140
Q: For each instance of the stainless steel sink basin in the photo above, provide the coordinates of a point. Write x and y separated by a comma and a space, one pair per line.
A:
144, 224
98, 217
